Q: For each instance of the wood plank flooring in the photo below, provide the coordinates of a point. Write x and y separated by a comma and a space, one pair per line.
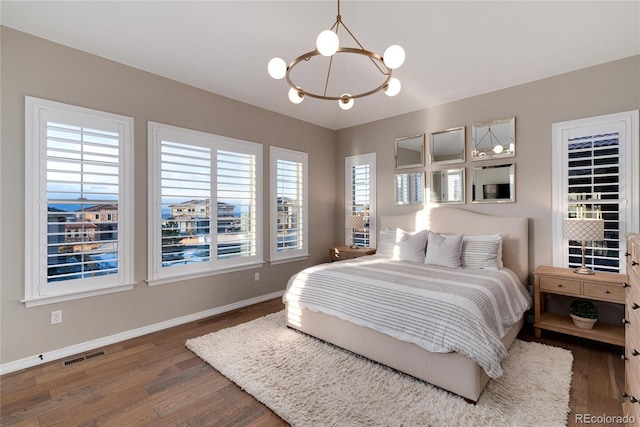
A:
155, 380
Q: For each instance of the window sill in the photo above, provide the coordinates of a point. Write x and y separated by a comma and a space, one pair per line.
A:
52, 299
292, 259
182, 277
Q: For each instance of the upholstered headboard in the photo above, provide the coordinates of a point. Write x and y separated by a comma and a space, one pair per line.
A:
514, 230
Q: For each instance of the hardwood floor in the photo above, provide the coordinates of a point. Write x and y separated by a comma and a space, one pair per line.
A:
155, 380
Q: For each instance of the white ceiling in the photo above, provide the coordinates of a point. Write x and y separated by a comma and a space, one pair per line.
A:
454, 49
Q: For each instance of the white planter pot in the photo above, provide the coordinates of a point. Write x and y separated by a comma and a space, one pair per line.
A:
582, 322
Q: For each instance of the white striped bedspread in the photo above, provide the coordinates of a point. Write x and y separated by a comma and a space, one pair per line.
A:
438, 308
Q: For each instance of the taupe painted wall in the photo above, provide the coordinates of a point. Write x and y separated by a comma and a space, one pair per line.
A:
33, 66
604, 89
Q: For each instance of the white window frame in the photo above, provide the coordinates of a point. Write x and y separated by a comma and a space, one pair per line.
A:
276, 154
349, 163
157, 132
37, 290
626, 124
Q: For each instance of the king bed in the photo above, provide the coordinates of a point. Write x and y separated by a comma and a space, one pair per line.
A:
406, 307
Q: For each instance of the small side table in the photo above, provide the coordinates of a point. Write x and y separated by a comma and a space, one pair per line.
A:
339, 253
609, 287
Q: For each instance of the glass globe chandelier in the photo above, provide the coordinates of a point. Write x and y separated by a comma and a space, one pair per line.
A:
328, 45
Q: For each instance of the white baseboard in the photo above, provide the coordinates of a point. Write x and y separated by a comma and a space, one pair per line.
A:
49, 356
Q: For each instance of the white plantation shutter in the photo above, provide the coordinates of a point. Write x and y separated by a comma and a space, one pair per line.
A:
360, 183
204, 204
596, 176
403, 191
79, 232
186, 199
236, 213
82, 199
454, 186
289, 225
593, 185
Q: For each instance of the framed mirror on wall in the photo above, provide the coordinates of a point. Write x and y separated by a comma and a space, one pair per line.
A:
494, 184
495, 139
409, 188
447, 186
410, 152
447, 146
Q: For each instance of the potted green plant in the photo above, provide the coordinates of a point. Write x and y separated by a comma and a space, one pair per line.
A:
584, 313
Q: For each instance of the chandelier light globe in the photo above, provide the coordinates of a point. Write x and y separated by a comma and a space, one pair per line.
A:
393, 87
327, 43
498, 149
277, 68
295, 96
345, 102
393, 56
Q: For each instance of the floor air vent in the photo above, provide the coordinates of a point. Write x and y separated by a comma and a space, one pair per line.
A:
91, 356
72, 361
81, 358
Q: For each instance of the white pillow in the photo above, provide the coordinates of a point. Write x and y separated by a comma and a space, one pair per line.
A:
483, 252
410, 246
444, 250
386, 242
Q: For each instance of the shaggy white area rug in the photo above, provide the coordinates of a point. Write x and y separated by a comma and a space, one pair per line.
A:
310, 383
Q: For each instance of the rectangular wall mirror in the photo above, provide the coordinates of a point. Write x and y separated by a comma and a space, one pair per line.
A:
447, 146
447, 186
409, 188
495, 139
494, 184
410, 152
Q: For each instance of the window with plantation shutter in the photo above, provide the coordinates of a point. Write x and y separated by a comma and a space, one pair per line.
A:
289, 224
596, 176
454, 186
360, 191
204, 206
79, 202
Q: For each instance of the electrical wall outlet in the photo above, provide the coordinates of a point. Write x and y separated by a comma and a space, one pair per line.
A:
256, 277
56, 317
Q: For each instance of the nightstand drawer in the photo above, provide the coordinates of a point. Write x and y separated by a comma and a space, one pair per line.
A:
561, 285
604, 291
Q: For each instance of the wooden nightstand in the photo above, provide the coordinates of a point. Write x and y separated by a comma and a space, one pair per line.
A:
339, 253
608, 287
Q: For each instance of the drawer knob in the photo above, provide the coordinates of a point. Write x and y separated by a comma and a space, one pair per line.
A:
635, 352
559, 285
627, 254
634, 263
607, 291
631, 398
635, 306
625, 285
625, 322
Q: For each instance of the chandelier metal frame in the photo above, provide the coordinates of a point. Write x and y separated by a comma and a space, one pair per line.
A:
307, 56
